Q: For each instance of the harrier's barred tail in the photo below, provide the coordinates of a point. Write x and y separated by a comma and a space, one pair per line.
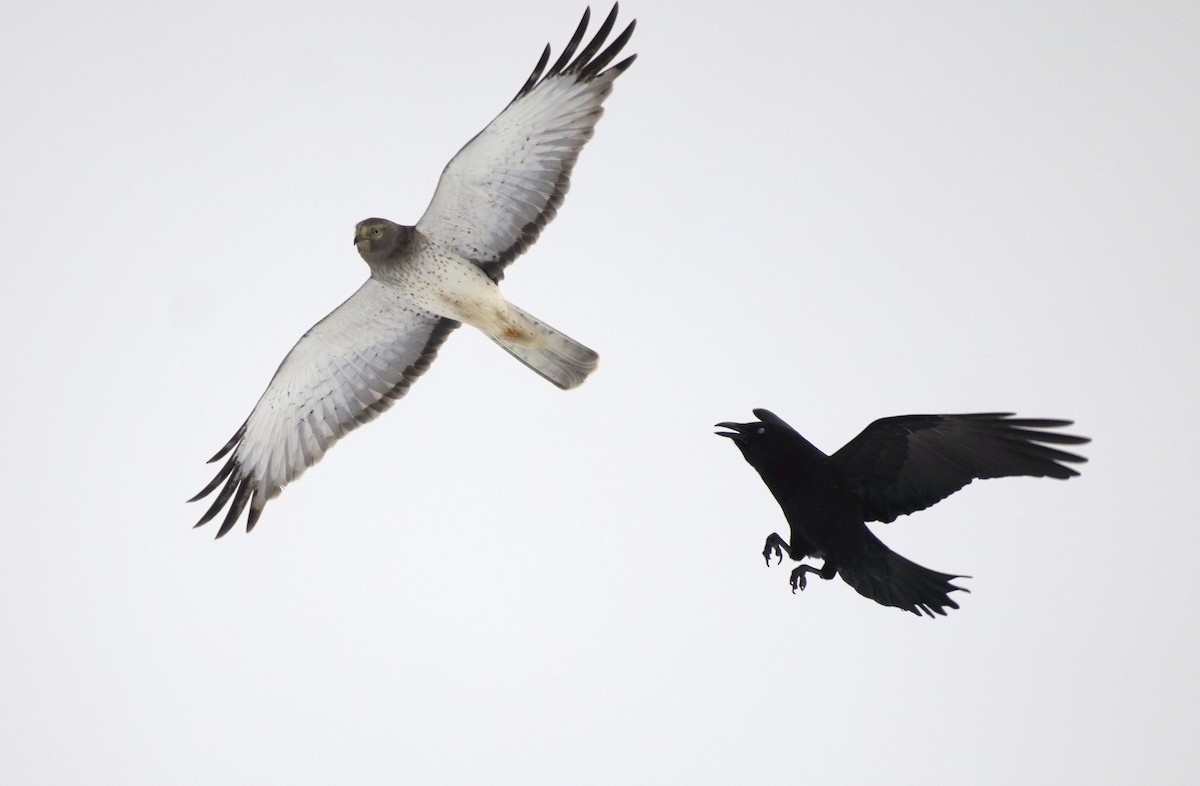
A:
557, 357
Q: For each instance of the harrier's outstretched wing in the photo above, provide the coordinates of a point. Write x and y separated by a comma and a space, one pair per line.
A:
490, 204
498, 192
345, 371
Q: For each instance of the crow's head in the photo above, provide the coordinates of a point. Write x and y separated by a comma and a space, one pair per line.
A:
768, 435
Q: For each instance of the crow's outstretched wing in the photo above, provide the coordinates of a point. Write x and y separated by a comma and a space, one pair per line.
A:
345, 371
507, 183
903, 464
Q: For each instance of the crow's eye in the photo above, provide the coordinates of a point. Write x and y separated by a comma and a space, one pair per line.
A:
762, 430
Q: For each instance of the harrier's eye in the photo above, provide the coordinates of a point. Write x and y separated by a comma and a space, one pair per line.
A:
377, 231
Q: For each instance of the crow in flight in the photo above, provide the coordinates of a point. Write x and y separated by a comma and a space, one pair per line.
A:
895, 466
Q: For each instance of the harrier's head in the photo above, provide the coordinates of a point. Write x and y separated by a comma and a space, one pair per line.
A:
377, 238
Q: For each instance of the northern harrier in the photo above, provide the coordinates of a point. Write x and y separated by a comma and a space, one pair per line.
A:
895, 466
491, 203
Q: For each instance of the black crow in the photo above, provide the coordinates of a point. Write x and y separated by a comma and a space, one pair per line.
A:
895, 466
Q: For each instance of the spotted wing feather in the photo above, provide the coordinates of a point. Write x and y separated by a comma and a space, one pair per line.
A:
506, 184
344, 372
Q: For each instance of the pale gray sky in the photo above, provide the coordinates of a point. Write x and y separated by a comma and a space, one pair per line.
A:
839, 211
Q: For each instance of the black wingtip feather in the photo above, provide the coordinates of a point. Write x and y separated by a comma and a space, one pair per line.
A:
536, 74
225, 470
597, 65
586, 65
236, 438
593, 46
218, 503
239, 504
573, 44
252, 519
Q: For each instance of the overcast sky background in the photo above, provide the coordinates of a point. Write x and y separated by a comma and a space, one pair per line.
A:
839, 211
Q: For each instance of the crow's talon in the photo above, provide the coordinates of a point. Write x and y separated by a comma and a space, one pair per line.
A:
776, 545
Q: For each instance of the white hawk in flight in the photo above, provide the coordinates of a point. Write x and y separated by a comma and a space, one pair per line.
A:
491, 203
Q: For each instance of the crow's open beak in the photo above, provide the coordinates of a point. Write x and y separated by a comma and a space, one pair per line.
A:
739, 430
